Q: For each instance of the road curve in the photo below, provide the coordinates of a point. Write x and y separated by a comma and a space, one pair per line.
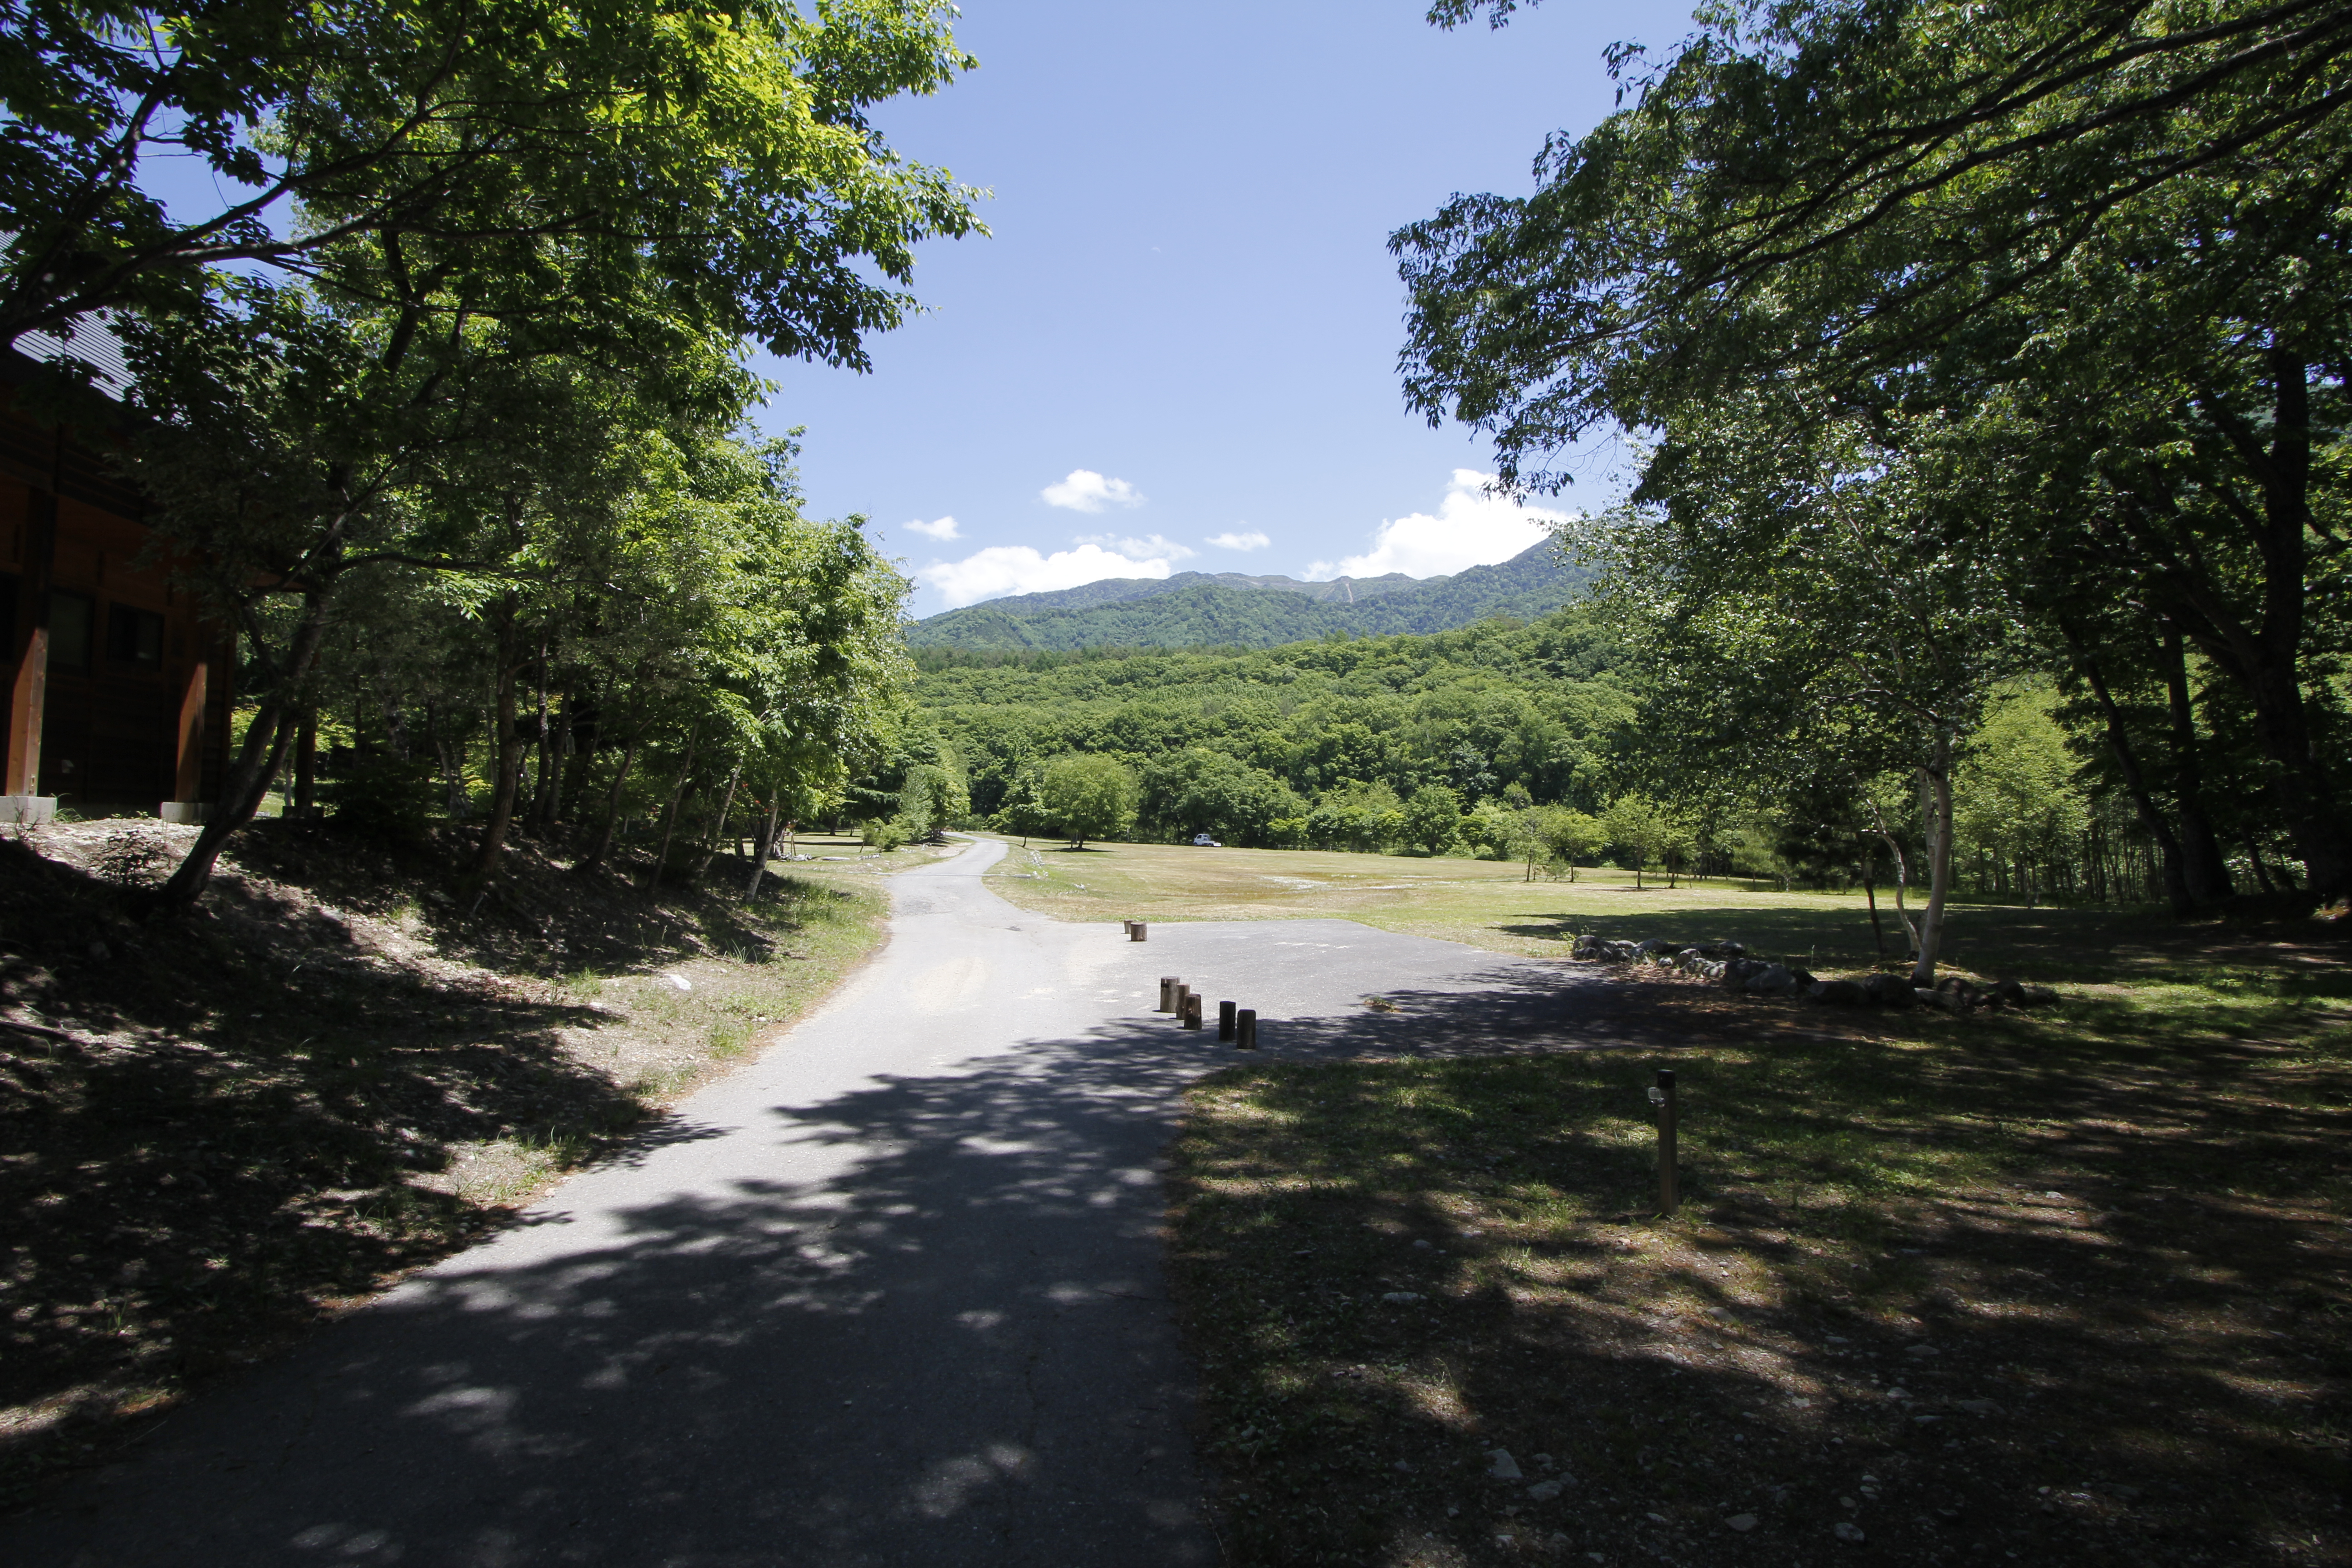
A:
891, 1294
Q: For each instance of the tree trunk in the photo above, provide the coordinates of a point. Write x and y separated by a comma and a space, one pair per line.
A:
1870, 897
258, 761
2265, 660
719, 833
544, 744
507, 749
2206, 873
1937, 777
670, 817
1902, 876
306, 758
2151, 816
604, 843
759, 846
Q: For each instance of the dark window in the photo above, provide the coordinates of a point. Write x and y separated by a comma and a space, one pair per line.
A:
134, 637
71, 622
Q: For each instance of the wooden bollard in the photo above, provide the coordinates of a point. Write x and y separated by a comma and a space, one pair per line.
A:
1663, 1097
1184, 993
1167, 995
1225, 1020
1137, 931
1192, 1016
1246, 1029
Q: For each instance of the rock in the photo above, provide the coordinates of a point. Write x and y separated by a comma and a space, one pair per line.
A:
1501, 1466
1922, 1350
1889, 990
1402, 1298
1845, 1531
2036, 996
1771, 981
1544, 1491
1803, 976
1404, 1467
679, 981
1585, 946
1742, 1522
1652, 946
1836, 993
1944, 999
1976, 1406
1708, 969
1737, 971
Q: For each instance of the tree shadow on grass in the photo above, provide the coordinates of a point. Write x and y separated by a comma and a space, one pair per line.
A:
227, 1143
2138, 1366
936, 1331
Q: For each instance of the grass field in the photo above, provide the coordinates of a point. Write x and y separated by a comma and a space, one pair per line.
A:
2057, 1287
1488, 904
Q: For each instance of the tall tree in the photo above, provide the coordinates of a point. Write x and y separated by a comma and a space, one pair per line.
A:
2119, 222
729, 150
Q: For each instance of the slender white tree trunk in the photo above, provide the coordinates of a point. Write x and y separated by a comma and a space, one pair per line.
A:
1938, 778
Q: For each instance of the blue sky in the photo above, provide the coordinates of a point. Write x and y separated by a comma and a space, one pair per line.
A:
1186, 325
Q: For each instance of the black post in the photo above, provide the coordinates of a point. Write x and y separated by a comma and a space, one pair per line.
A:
1246, 1029
1668, 1197
1225, 1020
1190, 1017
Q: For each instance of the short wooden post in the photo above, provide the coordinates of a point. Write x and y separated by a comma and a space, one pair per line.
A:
1137, 931
1182, 992
1167, 995
1225, 1020
1192, 1010
1669, 1198
1246, 1029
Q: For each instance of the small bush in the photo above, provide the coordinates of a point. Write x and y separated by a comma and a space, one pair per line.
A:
385, 797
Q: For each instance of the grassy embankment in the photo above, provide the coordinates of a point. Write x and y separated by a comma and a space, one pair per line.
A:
228, 1128
2058, 1287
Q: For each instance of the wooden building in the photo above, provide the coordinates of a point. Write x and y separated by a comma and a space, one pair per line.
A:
118, 690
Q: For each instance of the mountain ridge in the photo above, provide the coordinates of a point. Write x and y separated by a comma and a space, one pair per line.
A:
1192, 609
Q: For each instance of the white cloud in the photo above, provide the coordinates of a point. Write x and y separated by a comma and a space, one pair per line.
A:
942, 529
1085, 491
1150, 548
1252, 540
1003, 569
1471, 528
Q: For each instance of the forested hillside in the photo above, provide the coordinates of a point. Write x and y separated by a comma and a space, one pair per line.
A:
1195, 609
1475, 711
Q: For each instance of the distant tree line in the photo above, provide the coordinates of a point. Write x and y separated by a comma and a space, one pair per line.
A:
1537, 744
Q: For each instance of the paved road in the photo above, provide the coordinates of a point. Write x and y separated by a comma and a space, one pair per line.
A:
889, 1295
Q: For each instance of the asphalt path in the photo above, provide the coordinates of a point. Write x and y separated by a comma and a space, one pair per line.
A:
891, 1294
